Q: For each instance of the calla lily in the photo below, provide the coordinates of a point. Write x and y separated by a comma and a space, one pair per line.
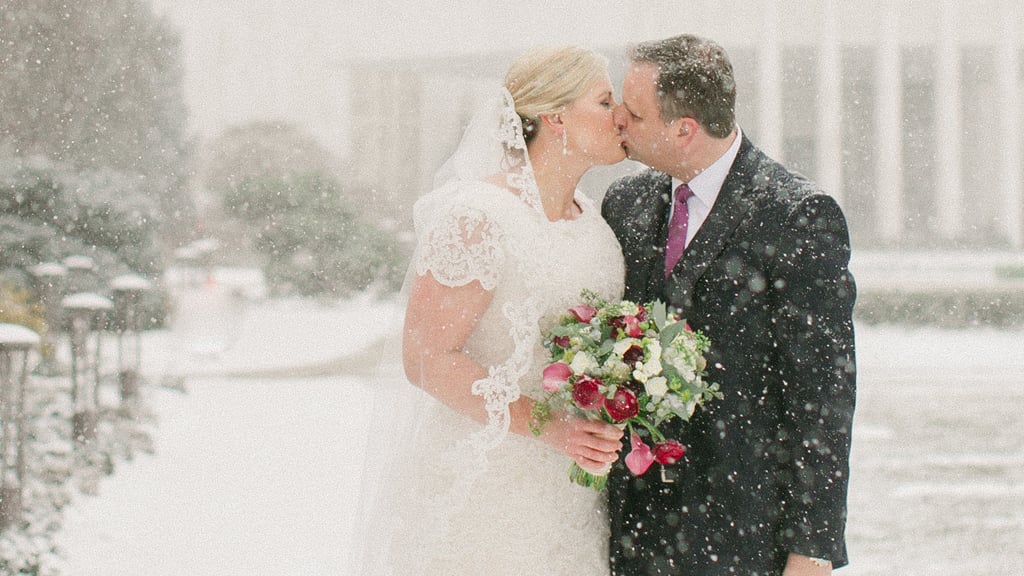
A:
583, 313
640, 457
633, 327
555, 376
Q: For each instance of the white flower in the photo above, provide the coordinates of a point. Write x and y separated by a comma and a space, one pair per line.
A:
656, 386
625, 344
582, 362
682, 363
653, 366
654, 350
647, 370
616, 368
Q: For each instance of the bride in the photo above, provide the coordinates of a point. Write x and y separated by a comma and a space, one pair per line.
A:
505, 244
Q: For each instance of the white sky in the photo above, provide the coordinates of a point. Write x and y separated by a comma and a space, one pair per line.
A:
277, 59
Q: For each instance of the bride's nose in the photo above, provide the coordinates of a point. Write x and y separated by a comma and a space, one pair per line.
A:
620, 116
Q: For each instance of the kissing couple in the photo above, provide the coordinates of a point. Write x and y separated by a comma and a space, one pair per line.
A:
751, 254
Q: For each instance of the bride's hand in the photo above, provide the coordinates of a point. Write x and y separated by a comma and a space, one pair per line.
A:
593, 445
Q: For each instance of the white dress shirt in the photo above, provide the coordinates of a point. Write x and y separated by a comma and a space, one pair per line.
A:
705, 187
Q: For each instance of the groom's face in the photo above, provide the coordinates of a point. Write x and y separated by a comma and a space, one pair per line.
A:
647, 137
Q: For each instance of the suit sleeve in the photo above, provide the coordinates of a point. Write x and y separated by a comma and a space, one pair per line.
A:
813, 330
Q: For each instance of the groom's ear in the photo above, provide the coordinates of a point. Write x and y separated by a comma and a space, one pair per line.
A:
684, 129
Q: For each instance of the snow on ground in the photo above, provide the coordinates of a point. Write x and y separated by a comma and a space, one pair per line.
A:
257, 462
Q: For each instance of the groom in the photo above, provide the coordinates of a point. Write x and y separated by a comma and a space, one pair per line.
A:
763, 273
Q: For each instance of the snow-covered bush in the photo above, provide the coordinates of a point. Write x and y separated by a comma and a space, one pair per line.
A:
315, 234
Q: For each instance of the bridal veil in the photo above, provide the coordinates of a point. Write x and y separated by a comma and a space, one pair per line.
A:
492, 144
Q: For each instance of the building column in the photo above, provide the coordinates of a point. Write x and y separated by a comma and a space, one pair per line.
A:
1011, 150
889, 149
949, 124
829, 139
769, 112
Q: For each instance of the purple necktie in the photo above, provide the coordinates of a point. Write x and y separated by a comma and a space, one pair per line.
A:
676, 242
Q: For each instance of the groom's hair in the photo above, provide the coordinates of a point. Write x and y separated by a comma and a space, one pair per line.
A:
695, 80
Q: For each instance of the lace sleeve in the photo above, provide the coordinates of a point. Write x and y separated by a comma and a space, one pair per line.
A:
461, 246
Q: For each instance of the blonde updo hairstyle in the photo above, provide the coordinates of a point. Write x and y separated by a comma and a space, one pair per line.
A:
547, 80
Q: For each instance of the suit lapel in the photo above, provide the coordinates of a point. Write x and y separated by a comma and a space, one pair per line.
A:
654, 248
734, 203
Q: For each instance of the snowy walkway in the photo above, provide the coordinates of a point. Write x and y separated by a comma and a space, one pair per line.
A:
256, 465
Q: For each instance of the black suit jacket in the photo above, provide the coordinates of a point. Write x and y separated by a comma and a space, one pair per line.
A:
766, 471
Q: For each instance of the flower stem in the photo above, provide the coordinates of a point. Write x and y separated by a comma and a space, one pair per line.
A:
587, 479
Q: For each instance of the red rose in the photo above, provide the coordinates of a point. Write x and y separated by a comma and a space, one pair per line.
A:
562, 341
623, 405
587, 393
630, 325
617, 322
668, 452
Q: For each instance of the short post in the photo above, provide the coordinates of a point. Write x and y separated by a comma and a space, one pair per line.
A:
49, 283
127, 291
80, 276
86, 312
205, 247
186, 259
16, 342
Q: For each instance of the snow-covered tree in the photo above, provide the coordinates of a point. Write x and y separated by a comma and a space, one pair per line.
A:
96, 86
279, 189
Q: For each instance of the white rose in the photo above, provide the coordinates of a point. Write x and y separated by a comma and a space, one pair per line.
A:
656, 386
654, 349
647, 370
581, 363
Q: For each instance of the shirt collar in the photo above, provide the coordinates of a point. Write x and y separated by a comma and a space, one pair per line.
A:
706, 185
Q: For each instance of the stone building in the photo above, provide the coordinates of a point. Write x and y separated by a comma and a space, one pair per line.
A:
911, 113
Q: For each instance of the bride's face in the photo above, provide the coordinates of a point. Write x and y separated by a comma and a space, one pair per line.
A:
590, 122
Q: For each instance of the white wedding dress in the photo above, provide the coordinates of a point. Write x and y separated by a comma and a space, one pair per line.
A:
444, 495
474, 499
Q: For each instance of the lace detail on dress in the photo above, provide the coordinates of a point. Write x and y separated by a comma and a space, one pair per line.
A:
501, 387
454, 496
465, 497
463, 246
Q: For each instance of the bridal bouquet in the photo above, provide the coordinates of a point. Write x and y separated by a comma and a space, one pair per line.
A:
636, 366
